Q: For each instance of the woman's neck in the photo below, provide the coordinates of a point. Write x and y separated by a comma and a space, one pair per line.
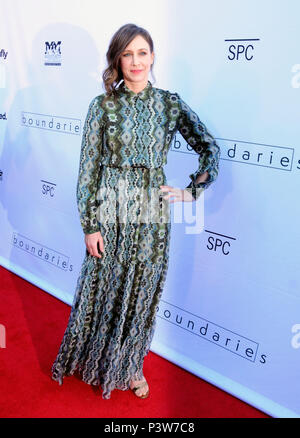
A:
136, 87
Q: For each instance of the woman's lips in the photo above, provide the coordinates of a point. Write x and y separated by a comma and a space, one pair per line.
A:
136, 71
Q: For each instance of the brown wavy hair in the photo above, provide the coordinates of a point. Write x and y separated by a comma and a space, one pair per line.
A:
112, 75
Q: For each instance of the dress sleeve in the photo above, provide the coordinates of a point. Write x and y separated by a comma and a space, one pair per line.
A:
200, 139
89, 167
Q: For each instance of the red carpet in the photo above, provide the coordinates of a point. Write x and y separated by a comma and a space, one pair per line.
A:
35, 322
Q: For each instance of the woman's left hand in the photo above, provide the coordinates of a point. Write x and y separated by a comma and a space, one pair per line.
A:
177, 194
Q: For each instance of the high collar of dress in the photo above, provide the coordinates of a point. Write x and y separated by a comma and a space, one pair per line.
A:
143, 94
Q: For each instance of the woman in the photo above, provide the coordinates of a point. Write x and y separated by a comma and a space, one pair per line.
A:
126, 137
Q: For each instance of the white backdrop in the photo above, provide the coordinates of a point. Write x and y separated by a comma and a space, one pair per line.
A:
230, 311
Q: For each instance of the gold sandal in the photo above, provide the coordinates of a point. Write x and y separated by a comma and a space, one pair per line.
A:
135, 388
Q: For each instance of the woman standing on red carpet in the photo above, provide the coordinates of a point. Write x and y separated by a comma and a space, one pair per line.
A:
127, 134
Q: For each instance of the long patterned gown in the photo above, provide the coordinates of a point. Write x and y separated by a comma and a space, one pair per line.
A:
124, 147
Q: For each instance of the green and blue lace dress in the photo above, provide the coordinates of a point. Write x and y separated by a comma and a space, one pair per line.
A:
124, 148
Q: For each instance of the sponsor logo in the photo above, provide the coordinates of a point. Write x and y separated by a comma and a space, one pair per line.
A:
258, 154
48, 188
219, 243
64, 125
52, 53
246, 152
3, 116
42, 252
241, 49
214, 333
3, 54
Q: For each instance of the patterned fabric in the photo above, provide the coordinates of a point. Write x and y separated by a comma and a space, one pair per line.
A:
124, 147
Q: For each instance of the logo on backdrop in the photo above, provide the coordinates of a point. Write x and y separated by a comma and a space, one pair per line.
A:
3, 54
245, 152
241, 49
3, 116
219, 243
258, 154
48, 188
52, 53
220, 336
42, 252
49, 122
1, 174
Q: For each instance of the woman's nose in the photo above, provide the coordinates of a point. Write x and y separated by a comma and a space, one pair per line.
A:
134, 60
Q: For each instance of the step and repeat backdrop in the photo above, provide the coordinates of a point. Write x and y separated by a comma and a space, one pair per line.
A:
230, 311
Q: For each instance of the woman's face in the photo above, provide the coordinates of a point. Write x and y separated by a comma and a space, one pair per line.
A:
136, 60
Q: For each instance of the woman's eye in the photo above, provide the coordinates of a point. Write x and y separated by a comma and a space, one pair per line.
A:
141, 53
